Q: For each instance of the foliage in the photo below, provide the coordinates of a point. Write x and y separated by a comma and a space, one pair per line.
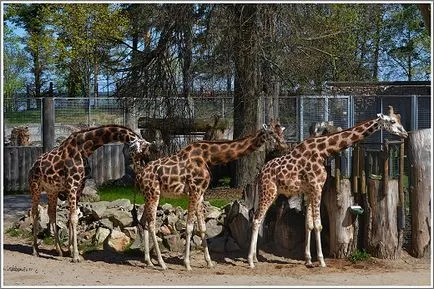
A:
159, 50
358, 256
14, 64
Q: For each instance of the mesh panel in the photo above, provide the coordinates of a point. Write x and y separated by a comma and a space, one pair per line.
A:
423, 112
288, 117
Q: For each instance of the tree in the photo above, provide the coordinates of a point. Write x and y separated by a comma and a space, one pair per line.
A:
406, 43
38, 41
246, 94
14, 64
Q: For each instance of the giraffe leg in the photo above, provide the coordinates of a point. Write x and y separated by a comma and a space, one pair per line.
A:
202, 230
151, 215
73, 222
309, 228
144, 234
52, 223
263, 205
36, 197
192, 206
317, 228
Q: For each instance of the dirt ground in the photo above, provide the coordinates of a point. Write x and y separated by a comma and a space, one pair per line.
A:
21, 268
100, 268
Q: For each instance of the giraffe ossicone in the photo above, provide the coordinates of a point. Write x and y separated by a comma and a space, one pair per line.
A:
302, 171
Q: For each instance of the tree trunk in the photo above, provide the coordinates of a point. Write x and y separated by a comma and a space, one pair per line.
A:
381, 228
246, 96
343, 224
420, 191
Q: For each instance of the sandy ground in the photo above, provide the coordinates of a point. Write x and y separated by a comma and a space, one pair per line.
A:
21, 268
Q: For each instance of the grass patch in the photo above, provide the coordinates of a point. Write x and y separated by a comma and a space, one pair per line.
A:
359, 256
111, 193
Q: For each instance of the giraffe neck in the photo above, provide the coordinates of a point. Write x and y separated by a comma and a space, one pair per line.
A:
87, 141
341, 140
218, 152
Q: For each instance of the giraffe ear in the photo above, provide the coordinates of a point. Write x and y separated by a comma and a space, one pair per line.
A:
380, 115
265, 126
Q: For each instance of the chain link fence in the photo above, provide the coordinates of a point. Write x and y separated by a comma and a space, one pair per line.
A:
296, 113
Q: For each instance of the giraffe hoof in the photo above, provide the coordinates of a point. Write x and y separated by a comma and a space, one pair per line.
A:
76, 260
210, 264
309, 265
35, 253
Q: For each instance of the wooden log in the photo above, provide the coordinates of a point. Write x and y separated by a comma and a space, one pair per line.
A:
420, 191
381, 235
342, 223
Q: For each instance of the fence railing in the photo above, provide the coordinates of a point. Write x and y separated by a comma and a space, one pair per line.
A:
106, 163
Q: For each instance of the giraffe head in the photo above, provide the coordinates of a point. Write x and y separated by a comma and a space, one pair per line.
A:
139, 150
392, 123
274, 134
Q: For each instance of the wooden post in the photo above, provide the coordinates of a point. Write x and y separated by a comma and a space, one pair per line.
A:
48, 121
401, 202
355, 168
386, 166
420, 191
338, 172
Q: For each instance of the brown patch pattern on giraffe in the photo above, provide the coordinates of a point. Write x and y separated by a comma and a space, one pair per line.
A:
186, 172
62, 170
302, 171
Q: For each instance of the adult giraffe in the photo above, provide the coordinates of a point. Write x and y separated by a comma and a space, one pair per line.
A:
61, 171
186, 172
302, 171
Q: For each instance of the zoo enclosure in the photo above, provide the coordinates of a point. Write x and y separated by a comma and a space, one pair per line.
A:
296, 113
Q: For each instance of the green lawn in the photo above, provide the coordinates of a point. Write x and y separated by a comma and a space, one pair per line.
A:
113, 193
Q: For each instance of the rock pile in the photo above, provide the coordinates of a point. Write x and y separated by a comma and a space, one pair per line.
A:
109, 226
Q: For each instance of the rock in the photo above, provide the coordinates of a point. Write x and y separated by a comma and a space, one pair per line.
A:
105, 223
174, 243
123, 204
130, 232
25, 224
101, 235
165, 230
213, 228
171, 219
239, 230
231, 245
167, 208
217, 244
295, 202
180, 225
119, 218
196, 243
116, 241
89, 194
97, 209
212, 213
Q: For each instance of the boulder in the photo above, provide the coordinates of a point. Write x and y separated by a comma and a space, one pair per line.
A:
130, 232
122, 204
213, 228
217, 244
116, 241
174, 243
100, 236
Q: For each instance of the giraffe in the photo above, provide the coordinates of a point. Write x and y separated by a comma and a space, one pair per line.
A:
20, 136
186, 172
62, 171
302, 171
